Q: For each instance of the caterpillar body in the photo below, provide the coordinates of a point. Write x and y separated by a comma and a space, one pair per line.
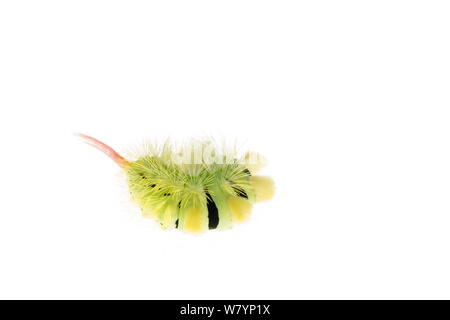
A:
192, 196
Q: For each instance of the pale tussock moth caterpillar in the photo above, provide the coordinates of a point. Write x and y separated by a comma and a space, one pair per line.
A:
192, 192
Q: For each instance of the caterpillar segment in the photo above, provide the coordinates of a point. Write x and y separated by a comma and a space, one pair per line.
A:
192, 197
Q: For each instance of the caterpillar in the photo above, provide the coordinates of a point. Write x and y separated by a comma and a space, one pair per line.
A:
189, 191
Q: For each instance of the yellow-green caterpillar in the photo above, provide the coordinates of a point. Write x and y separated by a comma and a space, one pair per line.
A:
195, 191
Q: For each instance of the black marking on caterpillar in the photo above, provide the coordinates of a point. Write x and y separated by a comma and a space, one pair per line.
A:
240, 192
213, 212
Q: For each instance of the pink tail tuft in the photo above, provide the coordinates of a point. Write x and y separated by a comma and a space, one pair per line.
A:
110, 152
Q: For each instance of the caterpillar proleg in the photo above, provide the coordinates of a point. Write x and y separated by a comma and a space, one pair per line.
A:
193, 189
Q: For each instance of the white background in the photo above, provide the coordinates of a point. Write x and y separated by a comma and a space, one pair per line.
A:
348, 100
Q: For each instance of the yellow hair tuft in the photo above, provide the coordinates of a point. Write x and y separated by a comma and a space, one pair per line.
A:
240, 209
194, 220
263, 187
